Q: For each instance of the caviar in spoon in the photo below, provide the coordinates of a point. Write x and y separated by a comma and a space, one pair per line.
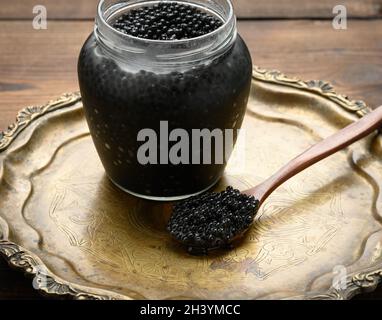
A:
213, 220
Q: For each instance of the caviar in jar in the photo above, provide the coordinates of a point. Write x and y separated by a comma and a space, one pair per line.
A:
163, 66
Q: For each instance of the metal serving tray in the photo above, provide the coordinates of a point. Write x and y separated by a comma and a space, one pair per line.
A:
64, 223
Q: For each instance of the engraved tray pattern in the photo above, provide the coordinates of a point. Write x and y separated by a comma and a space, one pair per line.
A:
62, 222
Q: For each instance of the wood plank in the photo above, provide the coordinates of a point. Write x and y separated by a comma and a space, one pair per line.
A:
351, 60
86, 9
305, 9
68, 9
38, 65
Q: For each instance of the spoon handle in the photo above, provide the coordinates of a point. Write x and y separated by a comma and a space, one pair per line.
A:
343, 138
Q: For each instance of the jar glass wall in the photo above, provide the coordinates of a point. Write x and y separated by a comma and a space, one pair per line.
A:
132, 88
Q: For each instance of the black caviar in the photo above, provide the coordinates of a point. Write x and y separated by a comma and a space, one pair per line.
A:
167, 21
212, 220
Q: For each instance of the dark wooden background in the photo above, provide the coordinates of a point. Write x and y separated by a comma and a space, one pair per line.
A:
293, 36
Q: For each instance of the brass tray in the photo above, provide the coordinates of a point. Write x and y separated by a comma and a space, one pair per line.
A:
64, 223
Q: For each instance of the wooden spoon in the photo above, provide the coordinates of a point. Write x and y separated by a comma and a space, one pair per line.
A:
317, 152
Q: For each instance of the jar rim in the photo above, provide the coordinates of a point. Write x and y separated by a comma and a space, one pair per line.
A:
226, 22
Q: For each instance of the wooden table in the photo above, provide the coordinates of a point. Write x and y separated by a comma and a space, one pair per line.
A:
293, 36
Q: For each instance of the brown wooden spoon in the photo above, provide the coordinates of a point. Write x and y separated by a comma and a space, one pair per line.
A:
234, 205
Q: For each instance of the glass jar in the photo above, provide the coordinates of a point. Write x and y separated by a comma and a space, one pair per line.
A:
134, 88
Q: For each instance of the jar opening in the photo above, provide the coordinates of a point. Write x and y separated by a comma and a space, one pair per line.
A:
213, 43
224, 18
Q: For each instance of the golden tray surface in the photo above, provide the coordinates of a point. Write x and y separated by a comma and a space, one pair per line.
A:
62, 221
